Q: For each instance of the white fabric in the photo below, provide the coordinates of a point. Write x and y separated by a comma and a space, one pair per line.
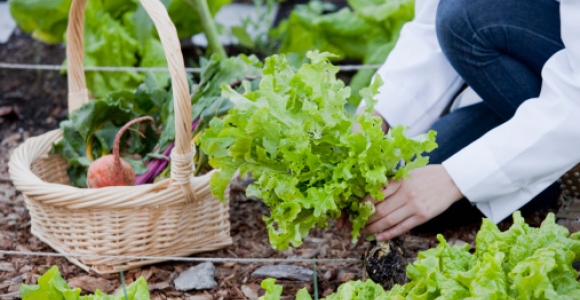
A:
511, 164
7, 24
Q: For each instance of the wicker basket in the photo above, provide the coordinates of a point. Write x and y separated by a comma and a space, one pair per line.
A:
174, 217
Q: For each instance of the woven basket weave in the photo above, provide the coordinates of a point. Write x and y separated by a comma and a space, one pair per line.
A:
174, 217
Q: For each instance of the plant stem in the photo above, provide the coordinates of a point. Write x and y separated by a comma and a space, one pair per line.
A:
209, 28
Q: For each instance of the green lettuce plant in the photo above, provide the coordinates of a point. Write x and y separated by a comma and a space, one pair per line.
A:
521, 263
51, 286
117, 33
366, 31
295, 137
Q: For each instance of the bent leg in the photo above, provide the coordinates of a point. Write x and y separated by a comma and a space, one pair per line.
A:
499, 48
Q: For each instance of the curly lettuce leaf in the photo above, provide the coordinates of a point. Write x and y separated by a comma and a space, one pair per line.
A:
295, 137
273, 290
520, 263
51, 286
359, 290
367, 32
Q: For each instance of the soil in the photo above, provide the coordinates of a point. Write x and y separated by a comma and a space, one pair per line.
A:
386, 263
33, 102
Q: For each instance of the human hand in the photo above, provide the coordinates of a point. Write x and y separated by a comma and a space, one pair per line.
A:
343, 221
412, 202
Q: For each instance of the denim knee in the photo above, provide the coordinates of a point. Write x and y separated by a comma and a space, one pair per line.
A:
452, 24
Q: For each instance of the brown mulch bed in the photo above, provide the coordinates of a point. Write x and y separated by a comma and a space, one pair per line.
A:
33, 102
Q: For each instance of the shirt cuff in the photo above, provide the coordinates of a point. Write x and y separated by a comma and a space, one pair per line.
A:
480, 179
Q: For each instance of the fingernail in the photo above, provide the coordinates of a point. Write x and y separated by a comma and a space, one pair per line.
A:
380, 237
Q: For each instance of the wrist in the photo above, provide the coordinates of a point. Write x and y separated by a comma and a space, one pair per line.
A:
453, 192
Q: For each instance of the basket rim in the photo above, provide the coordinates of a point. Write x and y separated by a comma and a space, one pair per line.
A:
26, 181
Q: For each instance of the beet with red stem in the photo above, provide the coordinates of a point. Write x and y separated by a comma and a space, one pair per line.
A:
111, 170
157, 165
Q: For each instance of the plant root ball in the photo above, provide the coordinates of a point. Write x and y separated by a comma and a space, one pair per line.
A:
386, 264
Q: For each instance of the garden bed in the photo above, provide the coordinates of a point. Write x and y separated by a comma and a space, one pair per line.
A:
33, 102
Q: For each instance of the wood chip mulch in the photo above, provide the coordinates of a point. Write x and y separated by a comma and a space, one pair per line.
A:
32, 103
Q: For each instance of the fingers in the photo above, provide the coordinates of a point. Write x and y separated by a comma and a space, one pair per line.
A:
342, 220
387, 190
388, 220
399, 229
389, 205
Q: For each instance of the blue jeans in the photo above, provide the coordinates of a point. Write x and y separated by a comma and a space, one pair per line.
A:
499, 48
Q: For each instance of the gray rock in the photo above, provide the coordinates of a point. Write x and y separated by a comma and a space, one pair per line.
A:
199, 277
284, 271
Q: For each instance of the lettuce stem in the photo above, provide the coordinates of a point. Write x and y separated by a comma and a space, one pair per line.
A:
209, 28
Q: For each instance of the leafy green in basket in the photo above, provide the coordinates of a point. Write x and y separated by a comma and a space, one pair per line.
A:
90, 131
295, 137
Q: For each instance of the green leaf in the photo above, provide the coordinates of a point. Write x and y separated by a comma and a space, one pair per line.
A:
95, 124
520, 263
303, 295
45, 20
184, 15
367, 33
273, 291
240, 33
51, 286
294, 135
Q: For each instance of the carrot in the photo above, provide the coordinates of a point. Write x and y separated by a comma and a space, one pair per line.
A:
111, 170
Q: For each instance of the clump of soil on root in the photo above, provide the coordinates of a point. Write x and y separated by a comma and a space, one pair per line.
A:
385, 263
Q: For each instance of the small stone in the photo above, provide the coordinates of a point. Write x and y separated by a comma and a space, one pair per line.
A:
327, 275
7, 267
14, 287
250, 291
25, 269
327, 292
284, 271
200, 297
199, 277
158, 286
344, 276
90, 284
222, 293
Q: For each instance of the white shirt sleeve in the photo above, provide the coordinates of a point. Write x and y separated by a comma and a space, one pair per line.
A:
508, 166
418, 80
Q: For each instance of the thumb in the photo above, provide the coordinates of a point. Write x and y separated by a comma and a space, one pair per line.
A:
342, 220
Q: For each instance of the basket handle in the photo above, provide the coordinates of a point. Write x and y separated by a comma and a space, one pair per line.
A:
182, 155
